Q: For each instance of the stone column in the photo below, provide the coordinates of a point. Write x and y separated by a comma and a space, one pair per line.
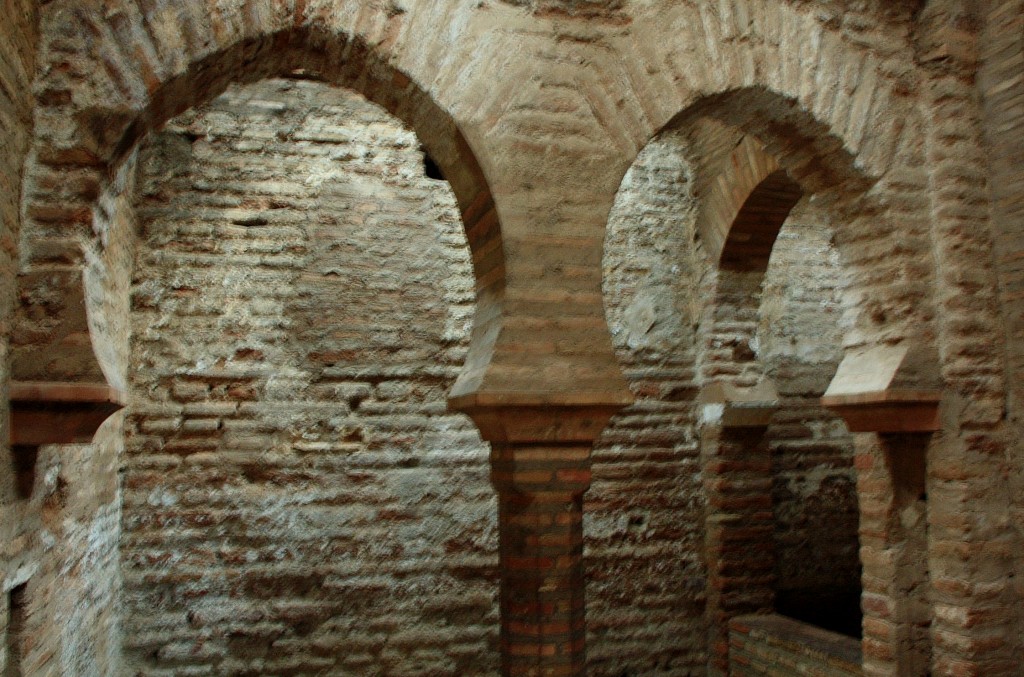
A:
540, 467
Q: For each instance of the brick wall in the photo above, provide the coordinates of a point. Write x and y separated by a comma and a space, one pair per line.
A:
821, 79
296, 324
18, 37
75, 625
773, 646
1002, 90
645, 510
61, 529
297, 498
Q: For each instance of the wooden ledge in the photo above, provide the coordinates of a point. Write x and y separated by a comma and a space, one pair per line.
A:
887, 411
60, 412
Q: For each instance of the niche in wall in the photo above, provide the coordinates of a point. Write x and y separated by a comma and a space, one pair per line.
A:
23, 458
15, 640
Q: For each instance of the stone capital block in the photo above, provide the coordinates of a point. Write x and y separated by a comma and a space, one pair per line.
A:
732, 406
887, 389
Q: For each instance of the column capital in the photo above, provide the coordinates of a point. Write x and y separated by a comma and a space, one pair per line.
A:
60, 412
887, 389
539, 418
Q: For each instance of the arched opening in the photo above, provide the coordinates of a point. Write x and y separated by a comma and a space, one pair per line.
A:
761, 200
84, 173
756, 227
296, 496
782, 504
817, 573
770, 310
80, 216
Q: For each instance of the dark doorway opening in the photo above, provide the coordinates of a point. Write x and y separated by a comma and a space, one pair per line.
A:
835, 610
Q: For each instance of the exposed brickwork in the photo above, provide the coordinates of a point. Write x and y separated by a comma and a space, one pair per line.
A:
898, 117
761, 482
814, 498
61, 527
968, 495
774, 646
645, 613
1002, 90
294, 486
653, 276
897, 599
120, 99
18, 38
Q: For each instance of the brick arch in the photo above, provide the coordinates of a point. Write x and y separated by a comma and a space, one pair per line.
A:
679, 55
758, 222
766, 152
775, 132
744, 208
837, 108
88, 130
755, 131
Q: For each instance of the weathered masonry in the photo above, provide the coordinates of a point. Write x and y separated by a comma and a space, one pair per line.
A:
532, 337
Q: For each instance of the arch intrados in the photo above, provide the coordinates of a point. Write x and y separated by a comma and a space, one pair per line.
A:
756, 226
756, 153
811, 152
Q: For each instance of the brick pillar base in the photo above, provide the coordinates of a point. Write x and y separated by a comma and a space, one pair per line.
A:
540, 467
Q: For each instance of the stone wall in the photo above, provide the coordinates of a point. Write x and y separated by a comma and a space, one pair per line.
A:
297, 497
